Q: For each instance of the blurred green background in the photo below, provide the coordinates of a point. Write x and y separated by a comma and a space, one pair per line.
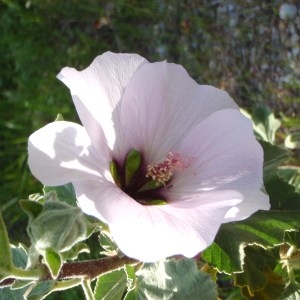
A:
249, 48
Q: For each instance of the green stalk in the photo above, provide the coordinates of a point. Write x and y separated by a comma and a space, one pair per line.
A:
6, 263
27, 274
86, 285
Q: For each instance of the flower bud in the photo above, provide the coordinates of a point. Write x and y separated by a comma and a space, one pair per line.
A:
58, 226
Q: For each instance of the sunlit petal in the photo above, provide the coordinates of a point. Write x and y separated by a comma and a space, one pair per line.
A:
160, 105
172, 229
100, 87
60, 153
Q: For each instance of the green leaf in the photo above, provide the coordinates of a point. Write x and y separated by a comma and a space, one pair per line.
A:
53, 261
20, 284
274, 156
282, 195
31, 208
19, 256
65, 193
258, 280
252, 276
131, 281
272, 290
107, 243
291, 174
264, 228
6, 263
131, 295
8, 294
111, 286
292, 238
75, 251
130, 271
39, 290
173, 279
265, 124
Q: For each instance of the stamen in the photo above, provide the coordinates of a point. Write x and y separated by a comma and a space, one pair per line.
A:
146, 184
162, 172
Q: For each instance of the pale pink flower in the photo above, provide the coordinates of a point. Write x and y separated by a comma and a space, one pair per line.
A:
195, 144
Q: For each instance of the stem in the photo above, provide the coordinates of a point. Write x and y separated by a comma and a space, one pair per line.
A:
6, 257
89, 269
291, 275
86, 285
93, 268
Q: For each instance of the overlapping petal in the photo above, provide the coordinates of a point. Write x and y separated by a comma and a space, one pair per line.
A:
254, 200
61, 152
160, 105
151, 232
105, 200
177, 228
100, 87
223, 154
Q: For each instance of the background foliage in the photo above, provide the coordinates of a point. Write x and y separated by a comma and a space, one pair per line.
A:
241, 46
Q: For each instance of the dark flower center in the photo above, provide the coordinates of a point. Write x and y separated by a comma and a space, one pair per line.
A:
142, 182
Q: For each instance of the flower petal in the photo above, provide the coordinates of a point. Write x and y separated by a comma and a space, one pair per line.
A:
100, 87
160, 105
60, 153
94, 130
104, 200
162, 231
254, 201
150, 233
224, 155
